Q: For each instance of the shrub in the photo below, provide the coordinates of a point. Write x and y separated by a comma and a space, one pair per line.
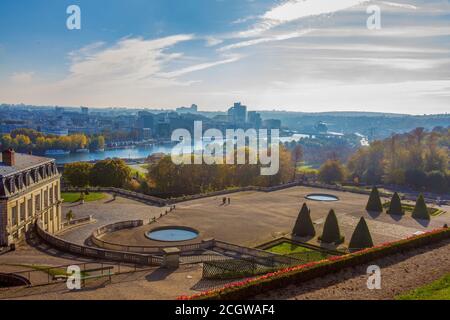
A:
421, 210
374, 203
395, 206
304, 226
331, 232
361, 238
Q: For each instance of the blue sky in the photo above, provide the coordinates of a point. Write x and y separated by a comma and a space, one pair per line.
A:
300, 55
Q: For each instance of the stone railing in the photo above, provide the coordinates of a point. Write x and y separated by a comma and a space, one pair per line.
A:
98, 253
99, 242
75, 222
231, 191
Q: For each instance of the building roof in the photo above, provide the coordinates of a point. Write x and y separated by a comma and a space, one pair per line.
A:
23, 162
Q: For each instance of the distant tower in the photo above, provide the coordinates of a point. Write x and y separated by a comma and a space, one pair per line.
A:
84, 110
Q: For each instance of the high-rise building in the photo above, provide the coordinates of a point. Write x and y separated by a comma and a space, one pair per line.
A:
254, 119
237, 114
84, 110
29, 190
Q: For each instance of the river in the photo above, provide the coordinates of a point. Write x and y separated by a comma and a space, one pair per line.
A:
135, 152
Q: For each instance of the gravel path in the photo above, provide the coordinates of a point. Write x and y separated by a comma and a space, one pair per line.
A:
399, 273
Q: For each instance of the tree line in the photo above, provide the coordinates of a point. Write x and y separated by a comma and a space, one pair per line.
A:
166, 179
25, 140
418, 159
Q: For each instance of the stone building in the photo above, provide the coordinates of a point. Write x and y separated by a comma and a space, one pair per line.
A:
29, 189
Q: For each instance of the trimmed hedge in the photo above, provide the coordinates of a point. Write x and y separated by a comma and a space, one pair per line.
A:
298, 274
395, 207
374, 203
304, 226
361, 238
331, 232
421, 210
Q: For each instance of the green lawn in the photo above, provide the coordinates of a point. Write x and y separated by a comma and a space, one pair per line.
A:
72, 197
299, 252
438, 290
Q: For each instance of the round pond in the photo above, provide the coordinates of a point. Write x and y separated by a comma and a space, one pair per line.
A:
322, 197
172, 234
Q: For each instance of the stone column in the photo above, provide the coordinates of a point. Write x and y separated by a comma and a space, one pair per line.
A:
171, 258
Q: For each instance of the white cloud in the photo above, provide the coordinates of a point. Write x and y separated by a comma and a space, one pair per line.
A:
253, 42
296, 9
400, 5
199, 67
212, 41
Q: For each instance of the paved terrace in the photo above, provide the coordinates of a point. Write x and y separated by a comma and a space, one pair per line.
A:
251, 219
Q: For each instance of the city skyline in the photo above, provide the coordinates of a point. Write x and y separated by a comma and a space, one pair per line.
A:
306, 56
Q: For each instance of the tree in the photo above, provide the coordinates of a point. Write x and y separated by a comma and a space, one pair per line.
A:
297, 155
415, 178
421, 210
437, 182
331, 171
304, 226
77, 174
395, 206
361, 238
97, 143
331, 232
374, 203
110, 173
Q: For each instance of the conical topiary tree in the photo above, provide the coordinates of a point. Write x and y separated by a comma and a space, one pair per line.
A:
361, 237
304, 226
374, 203
395, 206
421, 210
331, 232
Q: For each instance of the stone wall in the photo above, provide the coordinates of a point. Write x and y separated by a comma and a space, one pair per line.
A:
92, 252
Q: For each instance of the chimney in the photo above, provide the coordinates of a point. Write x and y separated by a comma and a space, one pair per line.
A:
9, 157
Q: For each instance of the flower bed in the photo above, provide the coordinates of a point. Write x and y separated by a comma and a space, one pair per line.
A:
297, 274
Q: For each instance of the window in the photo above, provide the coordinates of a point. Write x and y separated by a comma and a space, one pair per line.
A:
51, 195
22, 212
37, 201
46, 217
45, 199
56, 193
30, 207
51, 214
14, 215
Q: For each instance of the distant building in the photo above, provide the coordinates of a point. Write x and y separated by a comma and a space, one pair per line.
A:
254, 119
29, 190
85, 110
55, 132
237, 114
192, 109
272, 124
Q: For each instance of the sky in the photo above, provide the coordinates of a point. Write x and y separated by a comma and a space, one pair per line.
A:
294, 55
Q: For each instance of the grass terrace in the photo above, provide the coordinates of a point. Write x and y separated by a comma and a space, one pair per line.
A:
72, 197
438, 290
298, 251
